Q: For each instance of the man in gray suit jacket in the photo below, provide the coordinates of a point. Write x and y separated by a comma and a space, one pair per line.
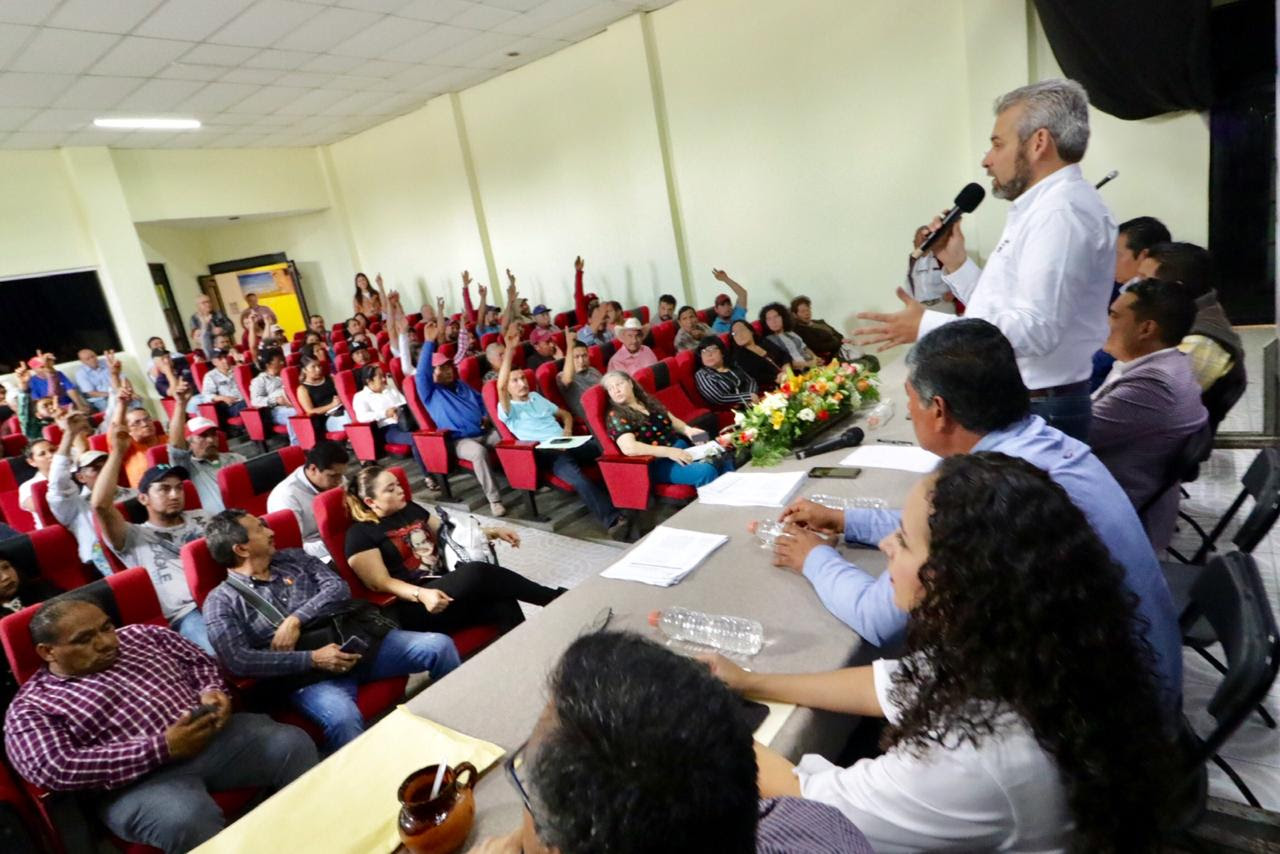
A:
1149, 405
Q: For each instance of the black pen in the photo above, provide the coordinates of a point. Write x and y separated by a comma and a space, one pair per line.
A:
894, 442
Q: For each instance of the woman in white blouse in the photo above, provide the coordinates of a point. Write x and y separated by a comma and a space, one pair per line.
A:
1023, 714
380, 403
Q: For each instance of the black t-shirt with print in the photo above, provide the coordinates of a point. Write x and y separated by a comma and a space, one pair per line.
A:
404, 539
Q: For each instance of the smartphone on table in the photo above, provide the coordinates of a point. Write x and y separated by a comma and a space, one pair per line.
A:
835, 472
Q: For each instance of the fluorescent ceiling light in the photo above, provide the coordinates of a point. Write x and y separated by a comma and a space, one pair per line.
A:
147, 124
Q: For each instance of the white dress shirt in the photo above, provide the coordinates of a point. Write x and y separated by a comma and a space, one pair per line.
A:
1005, 794
371, 406
1047, 283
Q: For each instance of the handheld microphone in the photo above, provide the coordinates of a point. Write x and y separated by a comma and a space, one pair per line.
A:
966, 201
1110, 176
848, 439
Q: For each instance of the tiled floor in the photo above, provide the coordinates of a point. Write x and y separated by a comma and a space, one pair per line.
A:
1254, 751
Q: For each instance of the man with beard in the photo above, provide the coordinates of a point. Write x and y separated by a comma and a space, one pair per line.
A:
1046, 283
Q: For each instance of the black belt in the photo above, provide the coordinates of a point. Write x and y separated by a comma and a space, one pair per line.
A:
1067, 390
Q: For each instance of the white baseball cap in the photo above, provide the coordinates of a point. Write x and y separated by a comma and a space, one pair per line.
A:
198, 425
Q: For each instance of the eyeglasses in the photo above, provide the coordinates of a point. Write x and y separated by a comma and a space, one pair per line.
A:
514, 766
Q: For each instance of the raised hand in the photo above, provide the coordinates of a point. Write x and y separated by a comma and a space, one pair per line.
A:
512, 336
182, 391
511, 280
113, 363
22, 374
430, 330
578, 263
466, 279
720, 275
120, 439
482, 291
377, 278
892, 329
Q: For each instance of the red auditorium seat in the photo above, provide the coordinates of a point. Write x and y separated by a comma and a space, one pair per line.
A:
308, 430
361, 434
257, 422
628, 479
247, 485
664, 339
662, 382
518, 459
14, 472
333, 520
128, 598
51, 554
640, 311
435, 446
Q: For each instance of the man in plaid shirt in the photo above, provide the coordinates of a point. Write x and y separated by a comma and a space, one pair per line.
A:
141, 717
294, 588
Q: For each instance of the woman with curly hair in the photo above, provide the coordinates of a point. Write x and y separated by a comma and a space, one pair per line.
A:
1023, 715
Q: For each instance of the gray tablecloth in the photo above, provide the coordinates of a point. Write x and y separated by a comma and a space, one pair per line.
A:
498, 694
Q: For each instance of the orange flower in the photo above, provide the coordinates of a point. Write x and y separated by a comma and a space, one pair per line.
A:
863, 384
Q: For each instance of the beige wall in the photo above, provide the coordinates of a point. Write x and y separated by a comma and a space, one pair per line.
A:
796, 145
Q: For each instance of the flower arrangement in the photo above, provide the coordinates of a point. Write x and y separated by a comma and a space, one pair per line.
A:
800, 407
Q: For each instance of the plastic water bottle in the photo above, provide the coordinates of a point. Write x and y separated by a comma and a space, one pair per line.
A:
856, 502
880, 415
734, 635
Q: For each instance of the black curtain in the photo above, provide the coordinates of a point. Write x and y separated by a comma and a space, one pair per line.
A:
1136, 58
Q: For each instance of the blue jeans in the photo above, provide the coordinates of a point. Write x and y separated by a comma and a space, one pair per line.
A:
693, 474
331, 703
191, 626
334, 423
281, 415
1070, 413
396, 435
567, 465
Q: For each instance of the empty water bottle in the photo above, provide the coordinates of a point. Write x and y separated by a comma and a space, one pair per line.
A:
880, 415
734, 635
855, 502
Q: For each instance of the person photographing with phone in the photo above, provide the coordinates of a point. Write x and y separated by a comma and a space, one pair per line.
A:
114, 713
287, 617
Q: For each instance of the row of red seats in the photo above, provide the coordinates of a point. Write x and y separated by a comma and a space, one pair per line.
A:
129, 597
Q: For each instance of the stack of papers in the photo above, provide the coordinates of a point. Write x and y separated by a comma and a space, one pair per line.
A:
912, 459
666, 556
739, 489
563, 443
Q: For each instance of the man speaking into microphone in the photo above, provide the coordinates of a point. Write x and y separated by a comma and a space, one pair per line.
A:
1046, 284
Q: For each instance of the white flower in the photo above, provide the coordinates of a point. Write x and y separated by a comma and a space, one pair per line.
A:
739, 418
772, 402
806, 414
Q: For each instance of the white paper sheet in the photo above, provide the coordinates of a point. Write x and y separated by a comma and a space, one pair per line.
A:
893, 457
665, 556
740, 489
562, 443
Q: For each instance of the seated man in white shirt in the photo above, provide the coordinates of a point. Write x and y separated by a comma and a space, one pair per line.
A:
1024, 712
1048, 280
324, 469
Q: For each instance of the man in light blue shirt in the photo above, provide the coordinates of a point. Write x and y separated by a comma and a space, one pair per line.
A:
532, 418
965, 395
93, 378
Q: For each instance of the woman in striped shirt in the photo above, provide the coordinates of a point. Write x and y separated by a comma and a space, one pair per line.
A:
720, 383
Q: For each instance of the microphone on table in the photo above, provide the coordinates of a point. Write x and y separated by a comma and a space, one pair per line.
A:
1110, 176
966, 201
848, 439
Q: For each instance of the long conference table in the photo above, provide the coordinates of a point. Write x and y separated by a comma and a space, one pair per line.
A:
498, 694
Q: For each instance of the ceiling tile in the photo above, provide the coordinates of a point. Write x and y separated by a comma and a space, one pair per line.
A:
373, 42
216, 54
305, 80
514, 5
482, 17
50, 139
436, 11
140, 57
12, 118
158, 96
380, 68
355, 104
62, 51
265, 22
313, 102
329, 63
26, 11
384, 6
353, 83
285, 60
61, 120
102, 93
12, 38
416, 75
32, 90
585, 23
268, 99
261, 76
192, 20
116, 16
426, 46
237, 118
188, 71
482, 46
217, 97
92, 137
326, 29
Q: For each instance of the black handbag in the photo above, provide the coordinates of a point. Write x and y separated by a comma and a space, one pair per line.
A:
405, 420
336, 623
